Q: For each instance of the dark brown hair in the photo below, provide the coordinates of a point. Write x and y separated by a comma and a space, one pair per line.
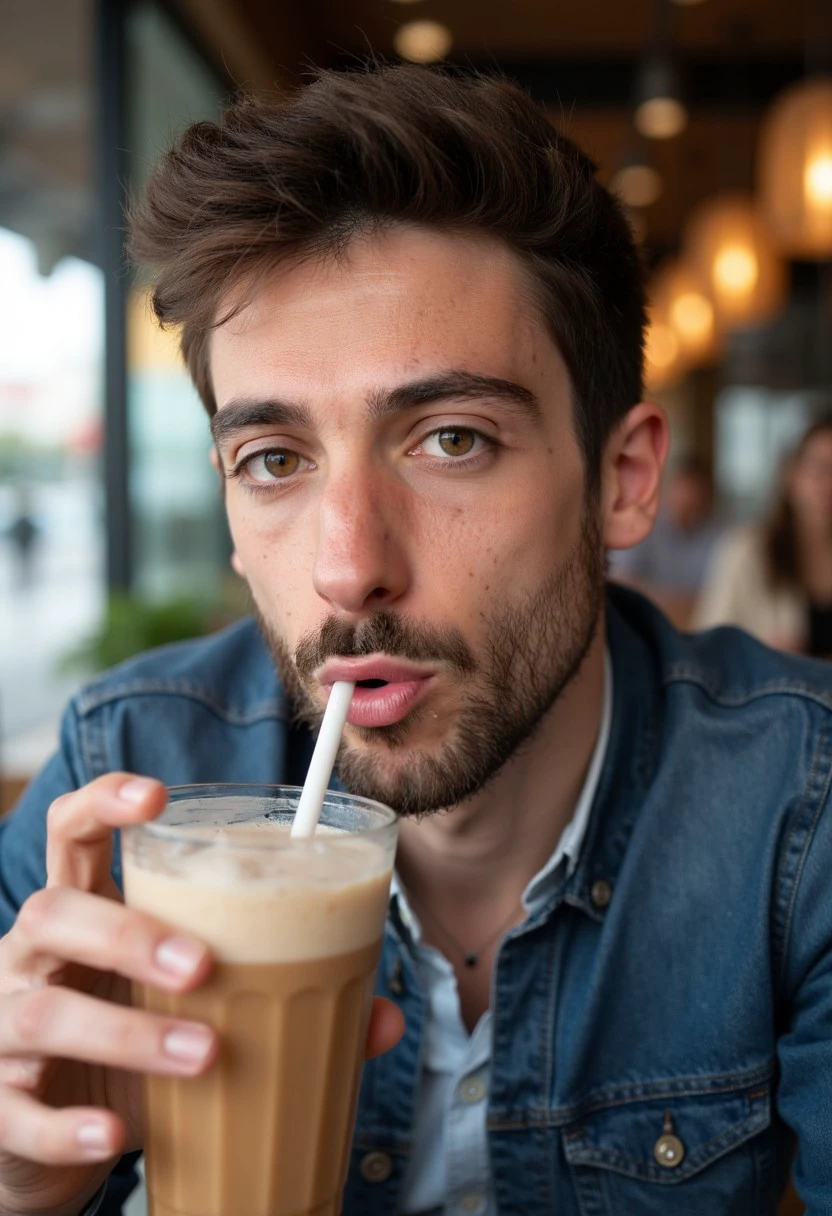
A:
780, 531
301, 176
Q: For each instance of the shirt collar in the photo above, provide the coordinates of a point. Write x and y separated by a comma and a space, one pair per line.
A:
568, 847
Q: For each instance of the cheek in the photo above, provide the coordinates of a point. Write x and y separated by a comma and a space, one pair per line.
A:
277, 562
474, 557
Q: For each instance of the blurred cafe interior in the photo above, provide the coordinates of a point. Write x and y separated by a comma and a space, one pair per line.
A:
711, 118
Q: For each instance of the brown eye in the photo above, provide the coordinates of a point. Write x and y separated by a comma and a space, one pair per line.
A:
281, 463
456, 441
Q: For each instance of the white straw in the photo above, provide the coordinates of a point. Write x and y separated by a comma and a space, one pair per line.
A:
323, 758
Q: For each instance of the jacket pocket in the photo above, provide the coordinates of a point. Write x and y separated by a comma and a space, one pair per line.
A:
684, 1154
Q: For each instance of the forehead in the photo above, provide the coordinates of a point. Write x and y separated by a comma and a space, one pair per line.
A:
397, 303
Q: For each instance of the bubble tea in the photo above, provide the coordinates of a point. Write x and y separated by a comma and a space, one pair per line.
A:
295, 927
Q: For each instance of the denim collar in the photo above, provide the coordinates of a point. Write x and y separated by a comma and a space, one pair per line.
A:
628, 769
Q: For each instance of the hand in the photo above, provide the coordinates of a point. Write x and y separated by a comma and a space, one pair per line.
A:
72, 1051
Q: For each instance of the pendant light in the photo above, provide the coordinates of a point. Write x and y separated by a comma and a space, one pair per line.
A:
730, 247
637, 182
795, 169
660, 111
664, 364
682, 298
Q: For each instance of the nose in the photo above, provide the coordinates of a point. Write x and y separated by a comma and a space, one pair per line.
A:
361, 562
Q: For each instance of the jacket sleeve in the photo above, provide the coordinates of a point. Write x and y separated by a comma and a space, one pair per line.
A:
23, 831
804, 1096
23, 871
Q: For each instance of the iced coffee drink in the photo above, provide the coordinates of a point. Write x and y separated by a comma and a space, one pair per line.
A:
295, 927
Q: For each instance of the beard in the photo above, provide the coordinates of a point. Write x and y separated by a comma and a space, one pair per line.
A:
533, 650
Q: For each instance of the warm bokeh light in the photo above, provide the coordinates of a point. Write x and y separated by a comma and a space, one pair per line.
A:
637, 185
795, 169
736, 269
817, 181
423, 41
692, 315
662, 364
665, 363
661, 117
662, 346
679, 300
729, 245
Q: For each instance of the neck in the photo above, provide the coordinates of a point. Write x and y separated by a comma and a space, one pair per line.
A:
488, 848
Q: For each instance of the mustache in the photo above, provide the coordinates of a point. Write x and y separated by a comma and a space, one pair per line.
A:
383, 632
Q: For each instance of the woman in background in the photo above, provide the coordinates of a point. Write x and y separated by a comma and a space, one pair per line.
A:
776, 580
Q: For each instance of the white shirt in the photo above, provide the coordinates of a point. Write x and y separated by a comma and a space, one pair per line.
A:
449, 1171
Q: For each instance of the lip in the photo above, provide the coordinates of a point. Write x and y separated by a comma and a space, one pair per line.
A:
406, 685
373, 667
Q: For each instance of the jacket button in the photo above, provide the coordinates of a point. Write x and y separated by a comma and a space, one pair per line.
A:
669, 1151
472, 1090
601, 893
376, 1167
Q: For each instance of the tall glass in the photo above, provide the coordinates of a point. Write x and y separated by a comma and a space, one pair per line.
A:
296, 928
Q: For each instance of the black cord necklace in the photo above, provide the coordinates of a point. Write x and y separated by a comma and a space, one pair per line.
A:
472, 957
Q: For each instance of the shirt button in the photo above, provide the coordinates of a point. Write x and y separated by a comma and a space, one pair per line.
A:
472, 1090
472, 1202
669, 1151
376, 1167
601, 893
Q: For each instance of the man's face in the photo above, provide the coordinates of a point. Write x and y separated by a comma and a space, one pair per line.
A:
407, 501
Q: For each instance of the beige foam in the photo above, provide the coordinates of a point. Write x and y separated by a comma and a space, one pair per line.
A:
309, 899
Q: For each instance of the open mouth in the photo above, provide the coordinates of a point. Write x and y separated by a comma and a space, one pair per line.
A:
378, 702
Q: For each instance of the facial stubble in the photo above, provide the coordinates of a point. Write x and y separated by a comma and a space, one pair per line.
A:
533, 650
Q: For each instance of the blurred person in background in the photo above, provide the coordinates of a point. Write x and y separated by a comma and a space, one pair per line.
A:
671, 564
23, 533
775, 579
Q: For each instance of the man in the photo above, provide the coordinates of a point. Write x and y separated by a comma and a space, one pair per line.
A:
416, 322
671, 564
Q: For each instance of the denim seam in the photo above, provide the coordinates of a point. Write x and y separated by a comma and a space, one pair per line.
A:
718, 1083
694, 1161
89, 702
94, 755
781, 939
681, 673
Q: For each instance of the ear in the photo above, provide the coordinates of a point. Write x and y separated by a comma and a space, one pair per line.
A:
214, 457
631, 474
237, 565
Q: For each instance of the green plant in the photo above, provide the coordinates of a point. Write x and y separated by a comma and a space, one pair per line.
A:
131, 625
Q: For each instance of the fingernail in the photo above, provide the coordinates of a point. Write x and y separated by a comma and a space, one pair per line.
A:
94, 1139
180, 955
191, 1043
136, 790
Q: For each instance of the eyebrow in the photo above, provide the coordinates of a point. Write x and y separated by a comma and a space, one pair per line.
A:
244, 413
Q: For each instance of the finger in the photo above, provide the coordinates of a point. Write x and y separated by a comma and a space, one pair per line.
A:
65, 925
79, 841
57, 1137
59, 1022
386, 1027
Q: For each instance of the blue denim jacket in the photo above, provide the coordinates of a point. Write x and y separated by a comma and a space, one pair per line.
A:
663, 1026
